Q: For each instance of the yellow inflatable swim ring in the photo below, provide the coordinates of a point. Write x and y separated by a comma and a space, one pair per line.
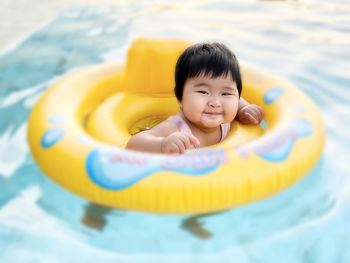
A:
78, 129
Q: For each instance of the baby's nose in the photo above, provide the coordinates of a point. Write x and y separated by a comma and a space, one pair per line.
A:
214, 102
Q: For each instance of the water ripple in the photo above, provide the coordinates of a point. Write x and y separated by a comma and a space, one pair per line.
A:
306, 42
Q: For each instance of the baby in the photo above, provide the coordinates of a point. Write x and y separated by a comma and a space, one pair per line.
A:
208, 86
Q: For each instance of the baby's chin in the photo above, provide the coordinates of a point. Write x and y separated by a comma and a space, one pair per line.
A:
211, 123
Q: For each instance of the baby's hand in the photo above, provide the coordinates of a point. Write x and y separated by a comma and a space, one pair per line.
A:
178, 142
250, 114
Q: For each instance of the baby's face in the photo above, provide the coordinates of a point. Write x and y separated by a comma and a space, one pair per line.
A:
208, 102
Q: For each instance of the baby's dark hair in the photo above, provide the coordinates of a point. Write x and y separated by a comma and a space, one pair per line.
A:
210, 59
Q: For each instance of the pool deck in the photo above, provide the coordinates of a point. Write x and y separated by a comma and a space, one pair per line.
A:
18, 18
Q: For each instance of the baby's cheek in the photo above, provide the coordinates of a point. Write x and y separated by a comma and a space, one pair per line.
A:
229, 117
192, 116
231, 112
194, 109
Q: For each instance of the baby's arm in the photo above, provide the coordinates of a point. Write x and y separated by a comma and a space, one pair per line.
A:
163, 138
249, 113
145, 141
178, 142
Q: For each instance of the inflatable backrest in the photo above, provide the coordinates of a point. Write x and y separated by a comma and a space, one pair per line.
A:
150, 67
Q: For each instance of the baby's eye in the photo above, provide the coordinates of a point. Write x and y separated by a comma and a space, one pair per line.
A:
202, 92
227, 94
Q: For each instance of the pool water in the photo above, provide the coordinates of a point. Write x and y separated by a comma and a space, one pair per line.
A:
306, 42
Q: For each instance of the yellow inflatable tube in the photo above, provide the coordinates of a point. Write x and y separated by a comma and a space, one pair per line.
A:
78, 128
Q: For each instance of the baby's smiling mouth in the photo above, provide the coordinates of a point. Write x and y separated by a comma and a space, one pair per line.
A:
213, 113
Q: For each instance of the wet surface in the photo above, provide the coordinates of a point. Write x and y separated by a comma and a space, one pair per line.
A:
304, 42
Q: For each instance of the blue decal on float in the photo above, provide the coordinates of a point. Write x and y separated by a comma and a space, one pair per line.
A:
51, 137
116, 169
272, 95
280, 153
196, 162
263, 125
84, 140
57, 119
299, 108
303, 127
278, 145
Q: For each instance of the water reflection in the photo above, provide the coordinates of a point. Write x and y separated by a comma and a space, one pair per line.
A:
94, 216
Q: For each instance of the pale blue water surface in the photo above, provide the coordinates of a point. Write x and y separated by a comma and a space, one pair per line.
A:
307, 42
